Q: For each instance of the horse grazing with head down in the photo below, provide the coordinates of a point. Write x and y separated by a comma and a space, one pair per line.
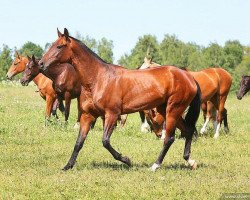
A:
111, 90
64, 79
244, 87
43, 83
215, 84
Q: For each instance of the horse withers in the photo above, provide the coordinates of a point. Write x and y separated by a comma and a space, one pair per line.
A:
244, 86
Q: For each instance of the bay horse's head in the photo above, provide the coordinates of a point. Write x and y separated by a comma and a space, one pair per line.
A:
155, 121
244, 87
17, 66
30, 72
59, 52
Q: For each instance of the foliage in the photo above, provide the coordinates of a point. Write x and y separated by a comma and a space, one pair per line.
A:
146, 46
103, 47
30, 48
5, 60
32, 157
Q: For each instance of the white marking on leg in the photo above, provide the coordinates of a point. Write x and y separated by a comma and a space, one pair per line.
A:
155, 167
163, 134
216, 135
77, 125
191, 162
145, 127
203, 129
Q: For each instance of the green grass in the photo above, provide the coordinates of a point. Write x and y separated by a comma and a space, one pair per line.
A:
32, 157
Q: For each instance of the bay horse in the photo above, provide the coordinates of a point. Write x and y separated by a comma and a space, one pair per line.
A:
43, 83
111, 90
215, 84
64, 82
244, 86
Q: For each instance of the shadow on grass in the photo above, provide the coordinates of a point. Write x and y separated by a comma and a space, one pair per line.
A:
136, 166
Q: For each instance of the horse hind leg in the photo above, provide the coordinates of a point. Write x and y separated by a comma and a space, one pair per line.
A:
145, 127
226, 128
207, 113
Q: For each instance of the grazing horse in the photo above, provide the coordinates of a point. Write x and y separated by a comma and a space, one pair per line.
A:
43, 83
111, 90
215, 84
64, 79
244, 86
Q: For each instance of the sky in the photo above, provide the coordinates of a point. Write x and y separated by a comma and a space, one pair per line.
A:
124, 21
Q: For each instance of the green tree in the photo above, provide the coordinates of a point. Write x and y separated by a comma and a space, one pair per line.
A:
5, 60
234, 52
146, 46
105, 50
214, 55
30, 48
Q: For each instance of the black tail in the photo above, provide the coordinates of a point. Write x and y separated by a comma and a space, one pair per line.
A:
194, 111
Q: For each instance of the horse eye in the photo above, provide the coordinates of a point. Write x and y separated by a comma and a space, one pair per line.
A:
60, 46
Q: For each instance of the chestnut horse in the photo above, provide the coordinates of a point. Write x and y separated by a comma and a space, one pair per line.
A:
215, 84
64, 79
111, 90
43, 83
244, 86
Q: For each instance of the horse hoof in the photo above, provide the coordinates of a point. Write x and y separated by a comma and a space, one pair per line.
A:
216, 136
154, 167
226, 130
67, 167
194, 167
127, 161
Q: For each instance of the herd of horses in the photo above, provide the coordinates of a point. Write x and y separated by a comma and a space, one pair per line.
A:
167, 97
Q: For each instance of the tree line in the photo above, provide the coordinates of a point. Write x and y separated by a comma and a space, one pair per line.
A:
233, 56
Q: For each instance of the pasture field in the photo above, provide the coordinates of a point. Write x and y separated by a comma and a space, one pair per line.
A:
31, 156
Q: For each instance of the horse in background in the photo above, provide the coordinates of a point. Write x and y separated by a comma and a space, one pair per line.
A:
43, 83
110, 90
215, 84
65, 84
244, 86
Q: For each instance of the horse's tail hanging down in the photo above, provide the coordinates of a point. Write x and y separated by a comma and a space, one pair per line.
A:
194, 110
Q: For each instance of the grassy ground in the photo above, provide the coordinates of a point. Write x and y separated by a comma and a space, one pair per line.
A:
31, 157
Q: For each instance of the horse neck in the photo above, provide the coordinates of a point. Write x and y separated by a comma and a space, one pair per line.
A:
37, 79
87, 66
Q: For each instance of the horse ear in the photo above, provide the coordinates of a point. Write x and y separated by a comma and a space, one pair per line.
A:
29, 58
59, 33
66, 34
17, 55
33, 58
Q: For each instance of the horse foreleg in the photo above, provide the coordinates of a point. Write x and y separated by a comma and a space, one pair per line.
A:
145, 127
76, 126
207, 115
85, 122
49, 104
67, 97
110, 122
54, 108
